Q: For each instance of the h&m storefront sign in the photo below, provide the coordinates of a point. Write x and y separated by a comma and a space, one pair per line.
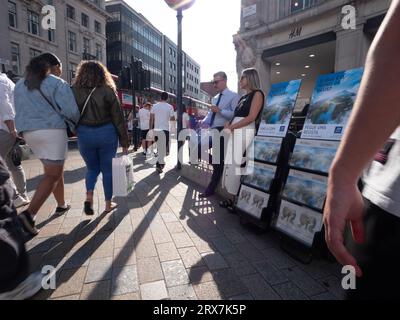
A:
295, 32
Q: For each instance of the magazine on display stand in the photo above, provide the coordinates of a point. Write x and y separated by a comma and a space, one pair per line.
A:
266, 149
299, 222
252, 201
262, 176
278, 109
313, 155
306, 188
331, 105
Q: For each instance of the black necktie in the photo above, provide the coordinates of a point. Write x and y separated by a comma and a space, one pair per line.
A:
214, 114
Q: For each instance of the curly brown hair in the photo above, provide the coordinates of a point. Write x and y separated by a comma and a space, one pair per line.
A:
92, 74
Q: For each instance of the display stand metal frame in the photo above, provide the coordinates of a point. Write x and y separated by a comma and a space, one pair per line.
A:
282, 170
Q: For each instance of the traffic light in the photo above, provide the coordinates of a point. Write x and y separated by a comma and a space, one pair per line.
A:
141, 77
124, 79
147, 80
140, 80
135, 77
136, 67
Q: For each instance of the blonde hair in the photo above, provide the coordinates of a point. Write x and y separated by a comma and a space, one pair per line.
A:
253, 78
92, 74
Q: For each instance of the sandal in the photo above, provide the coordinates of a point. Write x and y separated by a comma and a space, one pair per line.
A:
87, 208
61, 210
113, 207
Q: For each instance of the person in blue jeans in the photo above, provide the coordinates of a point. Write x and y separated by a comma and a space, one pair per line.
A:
101, 126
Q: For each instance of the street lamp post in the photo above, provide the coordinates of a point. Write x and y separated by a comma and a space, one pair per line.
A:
179, 6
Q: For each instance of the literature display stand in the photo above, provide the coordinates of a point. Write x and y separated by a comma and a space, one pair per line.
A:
303, 196
256, 201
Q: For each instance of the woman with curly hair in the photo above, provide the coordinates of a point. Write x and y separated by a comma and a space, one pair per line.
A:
100, 127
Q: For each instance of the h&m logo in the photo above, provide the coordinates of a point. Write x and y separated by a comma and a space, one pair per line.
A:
296, 32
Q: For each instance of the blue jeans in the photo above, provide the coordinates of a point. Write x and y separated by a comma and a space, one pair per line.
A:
98, 146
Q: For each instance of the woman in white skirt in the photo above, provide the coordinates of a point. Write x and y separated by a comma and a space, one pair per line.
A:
242, 130
43, 103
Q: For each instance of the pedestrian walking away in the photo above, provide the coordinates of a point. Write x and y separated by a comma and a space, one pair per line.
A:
44, 104
101, 126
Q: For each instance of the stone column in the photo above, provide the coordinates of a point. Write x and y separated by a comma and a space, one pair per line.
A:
248, 56
264, 70
351, 48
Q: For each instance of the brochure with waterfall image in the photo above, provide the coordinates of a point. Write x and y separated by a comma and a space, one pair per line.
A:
331, 104
278, 109
315, 155
265, 148
306, 188
261, 177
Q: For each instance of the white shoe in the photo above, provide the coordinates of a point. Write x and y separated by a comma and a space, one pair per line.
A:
20, 201
26, 289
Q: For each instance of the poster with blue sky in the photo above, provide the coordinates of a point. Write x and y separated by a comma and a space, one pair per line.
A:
278, 109
331, 105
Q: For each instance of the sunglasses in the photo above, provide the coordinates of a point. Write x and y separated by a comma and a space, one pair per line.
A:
217, 81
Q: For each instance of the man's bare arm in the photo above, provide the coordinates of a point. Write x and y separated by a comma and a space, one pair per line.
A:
11, 127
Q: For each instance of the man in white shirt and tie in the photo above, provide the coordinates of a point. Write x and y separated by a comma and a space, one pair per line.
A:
222, 110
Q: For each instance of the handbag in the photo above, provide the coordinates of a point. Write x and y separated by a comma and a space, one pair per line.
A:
16, 154
25, 150
71, 125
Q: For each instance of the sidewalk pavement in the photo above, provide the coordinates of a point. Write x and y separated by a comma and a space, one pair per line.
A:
163, 242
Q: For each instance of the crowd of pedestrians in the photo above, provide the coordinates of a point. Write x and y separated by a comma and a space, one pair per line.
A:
43, 110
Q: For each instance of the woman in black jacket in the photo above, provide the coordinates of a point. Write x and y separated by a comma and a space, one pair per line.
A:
101, 126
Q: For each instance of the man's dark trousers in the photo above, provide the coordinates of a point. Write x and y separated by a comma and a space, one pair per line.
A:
162, 152
218, 168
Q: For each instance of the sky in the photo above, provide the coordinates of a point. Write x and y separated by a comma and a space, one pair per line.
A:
208, 27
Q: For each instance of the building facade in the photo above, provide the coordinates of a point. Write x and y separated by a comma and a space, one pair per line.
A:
205, 96
192, 77
130, 34
79, 33
191, 71
301, 39
170, 54
208, 89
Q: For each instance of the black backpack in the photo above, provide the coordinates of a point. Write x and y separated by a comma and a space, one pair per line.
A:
14, 263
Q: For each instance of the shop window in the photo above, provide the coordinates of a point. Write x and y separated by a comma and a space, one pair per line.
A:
299, 5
